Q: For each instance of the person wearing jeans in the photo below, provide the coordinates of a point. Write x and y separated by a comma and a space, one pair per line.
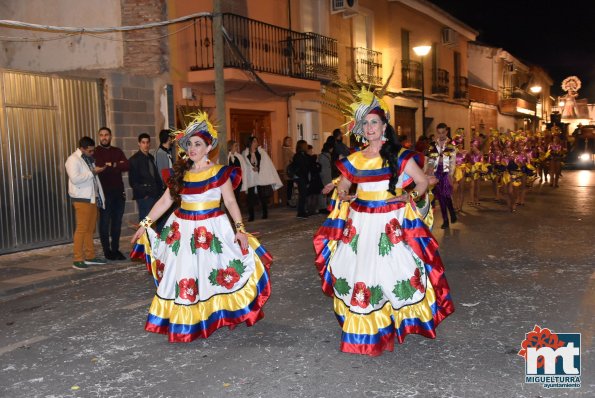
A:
84, 188
144, 177
110, 218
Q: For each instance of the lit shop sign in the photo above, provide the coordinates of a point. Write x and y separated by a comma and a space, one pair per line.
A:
525, 111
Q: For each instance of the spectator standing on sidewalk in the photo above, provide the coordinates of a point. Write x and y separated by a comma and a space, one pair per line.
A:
287, 153
110, 218
302, 164
340, 150
235, 159
261, 177
164, 160
324, 159
84, 188
144, 177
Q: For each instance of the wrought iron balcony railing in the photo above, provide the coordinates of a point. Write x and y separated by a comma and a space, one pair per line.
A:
367, 66
440, 82
516, 92
267, 48
410, 74
461, 87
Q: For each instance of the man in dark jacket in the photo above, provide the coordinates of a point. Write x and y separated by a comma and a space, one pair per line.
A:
110, 218
144, 177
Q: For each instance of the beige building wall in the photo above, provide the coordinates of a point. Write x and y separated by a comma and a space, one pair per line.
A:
132, 69
69, 53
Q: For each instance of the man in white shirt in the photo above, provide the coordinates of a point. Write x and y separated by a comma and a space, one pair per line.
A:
84, 188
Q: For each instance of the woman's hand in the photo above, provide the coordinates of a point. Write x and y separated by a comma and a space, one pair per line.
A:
343, 196
328, 188
137, 234
400, 198
242, 239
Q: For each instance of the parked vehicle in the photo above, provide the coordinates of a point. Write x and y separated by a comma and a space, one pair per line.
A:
582, 152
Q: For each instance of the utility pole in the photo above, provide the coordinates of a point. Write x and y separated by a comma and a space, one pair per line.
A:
218, 61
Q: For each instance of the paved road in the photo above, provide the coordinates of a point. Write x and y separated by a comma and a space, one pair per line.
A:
507, 272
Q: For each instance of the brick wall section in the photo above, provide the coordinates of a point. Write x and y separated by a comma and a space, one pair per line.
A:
144, 57
131, 111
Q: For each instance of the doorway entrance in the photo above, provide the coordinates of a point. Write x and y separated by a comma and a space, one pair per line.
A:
404, 122
246, 123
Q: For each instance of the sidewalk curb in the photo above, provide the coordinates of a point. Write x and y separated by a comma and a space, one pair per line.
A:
61, 281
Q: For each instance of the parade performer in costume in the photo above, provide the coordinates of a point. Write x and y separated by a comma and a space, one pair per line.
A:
462, 167
207, 275
374, 253
495, 164
479, 170
541, 158
556, 152
442, 159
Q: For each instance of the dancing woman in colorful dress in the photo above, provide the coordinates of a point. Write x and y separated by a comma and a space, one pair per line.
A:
374, 253
208, 276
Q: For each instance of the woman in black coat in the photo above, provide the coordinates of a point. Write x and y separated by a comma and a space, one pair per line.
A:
302, 165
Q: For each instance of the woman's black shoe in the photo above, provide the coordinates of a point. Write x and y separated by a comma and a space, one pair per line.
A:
445, 225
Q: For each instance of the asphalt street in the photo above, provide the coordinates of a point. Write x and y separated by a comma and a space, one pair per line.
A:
507, 271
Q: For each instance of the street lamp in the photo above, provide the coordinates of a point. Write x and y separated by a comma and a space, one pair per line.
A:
536, 90
422, 51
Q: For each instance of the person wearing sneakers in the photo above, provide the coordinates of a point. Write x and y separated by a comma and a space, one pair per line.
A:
84, 188
110, 218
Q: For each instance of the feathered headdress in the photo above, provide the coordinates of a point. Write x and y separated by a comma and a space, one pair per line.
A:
199, 126
355, 100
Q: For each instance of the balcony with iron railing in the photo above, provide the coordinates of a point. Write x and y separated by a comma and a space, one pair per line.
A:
262, 47
516, 92
461, 88
410, 75
440, 82
367, 66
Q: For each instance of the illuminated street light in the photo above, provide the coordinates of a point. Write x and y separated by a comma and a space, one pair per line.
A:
536, 90
422, 51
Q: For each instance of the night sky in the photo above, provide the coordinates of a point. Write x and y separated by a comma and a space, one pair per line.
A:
557, 36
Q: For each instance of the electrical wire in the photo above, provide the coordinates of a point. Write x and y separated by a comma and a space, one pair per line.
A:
141, 40
49, 28
35, 39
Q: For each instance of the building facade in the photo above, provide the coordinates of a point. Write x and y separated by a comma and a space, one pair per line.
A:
58, 87
280, 56
505, 93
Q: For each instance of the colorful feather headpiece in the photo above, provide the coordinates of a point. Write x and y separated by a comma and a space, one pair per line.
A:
201, 127
355, 100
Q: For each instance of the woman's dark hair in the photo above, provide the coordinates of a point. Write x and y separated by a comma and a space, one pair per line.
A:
301, 146
176, 180
327, 147
230, 144
390, 155
250, 141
